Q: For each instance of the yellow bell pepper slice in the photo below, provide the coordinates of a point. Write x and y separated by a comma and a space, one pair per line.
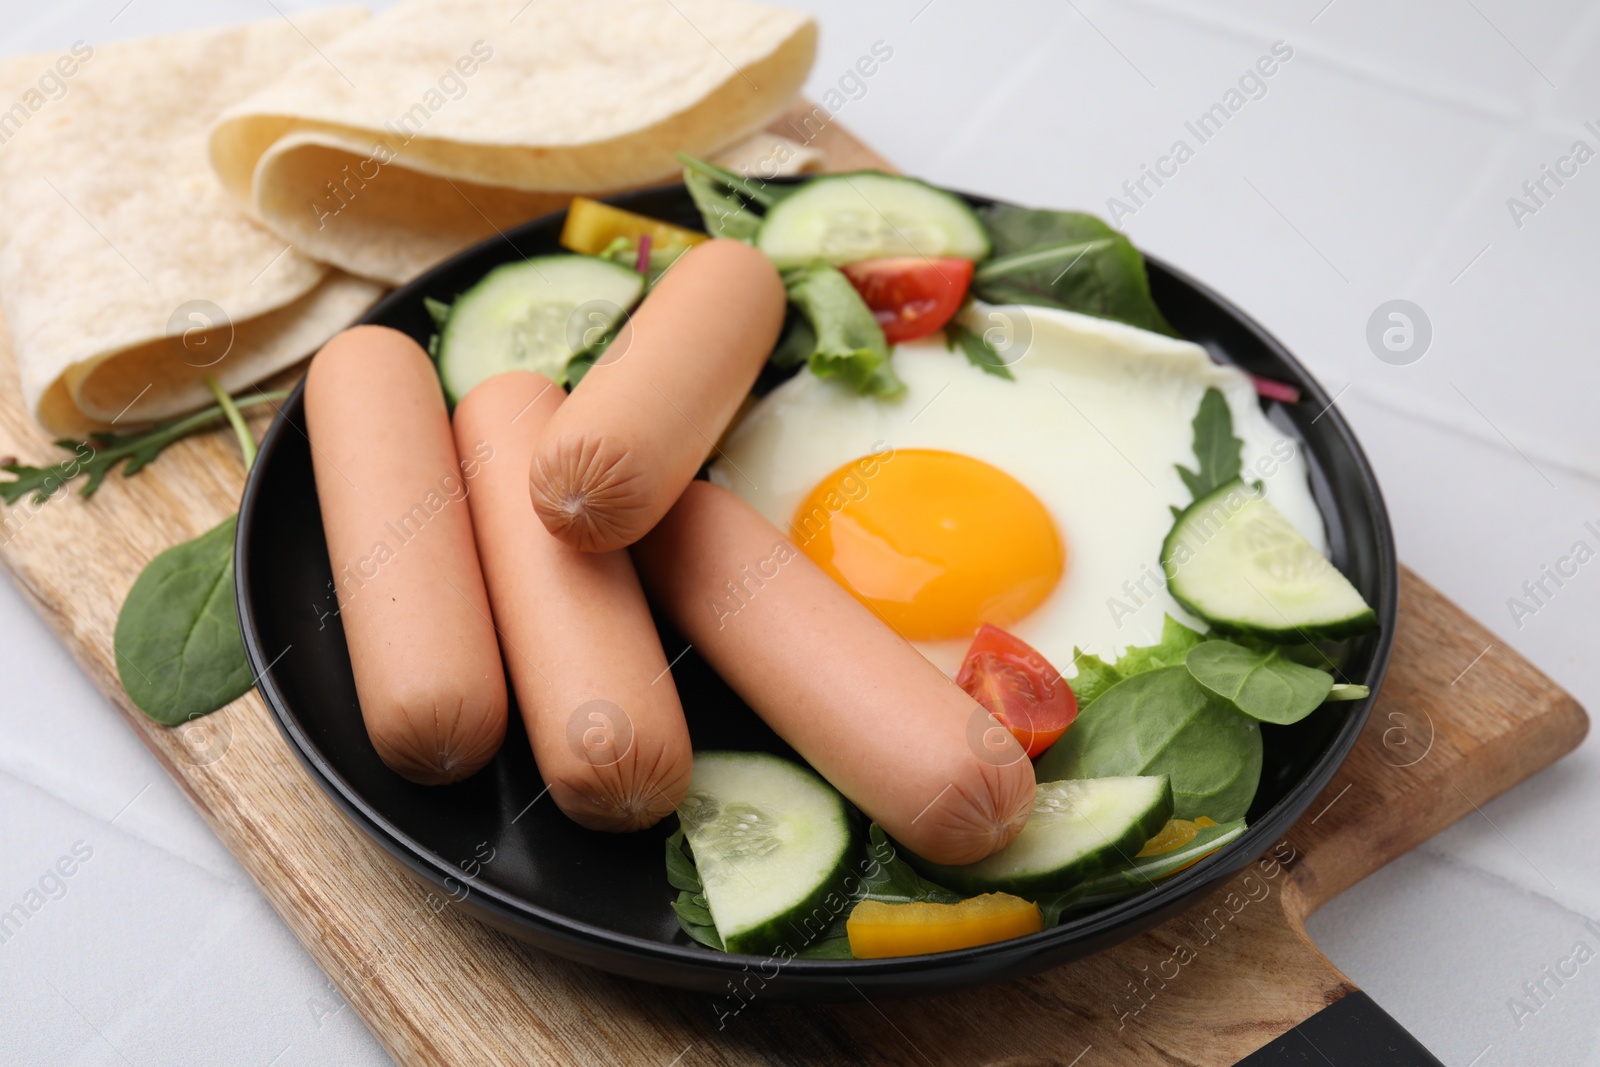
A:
878, 930
591, 227
1173, 836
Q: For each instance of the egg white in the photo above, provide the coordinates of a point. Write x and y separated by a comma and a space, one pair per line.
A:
1093, 425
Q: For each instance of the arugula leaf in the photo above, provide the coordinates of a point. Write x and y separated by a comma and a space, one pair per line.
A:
978, 351
757, 192
1176, 641
96, 457
1216, 450
729, 205
1164, 722
179, 653
1068, 260
723, 214
849, 342
1264, 685
438, 310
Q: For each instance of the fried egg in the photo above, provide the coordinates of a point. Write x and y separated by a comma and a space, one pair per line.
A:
1038, 504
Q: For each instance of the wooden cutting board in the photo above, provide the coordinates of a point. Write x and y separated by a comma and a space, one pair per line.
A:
1459, 721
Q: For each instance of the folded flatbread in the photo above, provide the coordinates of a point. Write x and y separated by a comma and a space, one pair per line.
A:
126, 272
441, 122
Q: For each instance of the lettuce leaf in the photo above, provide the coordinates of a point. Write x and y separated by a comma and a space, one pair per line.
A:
1171, 651
847, 341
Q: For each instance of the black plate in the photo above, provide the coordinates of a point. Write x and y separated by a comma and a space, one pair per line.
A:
602, 899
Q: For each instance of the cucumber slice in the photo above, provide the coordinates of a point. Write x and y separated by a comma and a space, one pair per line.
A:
1234, 560
771, 840
534, 315
851, 217
1143, 874
1077, 829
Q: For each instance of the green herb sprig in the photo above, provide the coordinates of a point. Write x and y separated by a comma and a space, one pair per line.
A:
95, 457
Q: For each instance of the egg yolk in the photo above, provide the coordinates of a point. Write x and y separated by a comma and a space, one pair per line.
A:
935, 542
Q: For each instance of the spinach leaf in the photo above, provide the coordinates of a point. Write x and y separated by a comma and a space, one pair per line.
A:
1015, 229
978, 351
1069, 260
1216, 450
1163, 722
179, 653
1264, 685
97, 456
891, 879
1176, 641
849, 342
585, 361
1346, 691
1323, 655
833, 944
681, 871
694, 913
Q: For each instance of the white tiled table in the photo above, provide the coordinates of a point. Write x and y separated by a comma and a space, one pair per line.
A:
1376, 165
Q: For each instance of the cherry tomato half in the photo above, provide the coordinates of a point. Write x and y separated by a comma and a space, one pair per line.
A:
1019, 687
911, 297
